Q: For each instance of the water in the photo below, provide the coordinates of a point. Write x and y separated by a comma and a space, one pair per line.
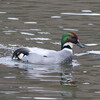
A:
35, 23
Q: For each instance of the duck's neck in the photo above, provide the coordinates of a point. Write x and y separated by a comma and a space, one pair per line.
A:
68, 45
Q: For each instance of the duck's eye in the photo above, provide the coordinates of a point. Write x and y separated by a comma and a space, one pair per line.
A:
74, 37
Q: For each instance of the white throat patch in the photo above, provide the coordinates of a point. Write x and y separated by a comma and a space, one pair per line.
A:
68, 43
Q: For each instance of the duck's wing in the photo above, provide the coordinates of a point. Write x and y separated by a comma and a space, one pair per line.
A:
43, 52
40, 59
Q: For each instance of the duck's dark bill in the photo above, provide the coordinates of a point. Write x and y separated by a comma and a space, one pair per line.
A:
79, 44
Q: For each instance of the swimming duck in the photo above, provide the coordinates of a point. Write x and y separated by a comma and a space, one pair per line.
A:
65, 55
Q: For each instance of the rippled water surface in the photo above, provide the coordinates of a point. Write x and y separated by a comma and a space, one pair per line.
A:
40, 24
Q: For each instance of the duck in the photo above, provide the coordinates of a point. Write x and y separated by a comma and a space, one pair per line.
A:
64, 55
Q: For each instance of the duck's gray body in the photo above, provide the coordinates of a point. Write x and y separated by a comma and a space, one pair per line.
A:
53, 57
50, 57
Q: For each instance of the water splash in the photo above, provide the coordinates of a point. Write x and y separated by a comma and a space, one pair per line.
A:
75, 63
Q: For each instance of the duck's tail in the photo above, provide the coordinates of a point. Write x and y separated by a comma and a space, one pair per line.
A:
20, 53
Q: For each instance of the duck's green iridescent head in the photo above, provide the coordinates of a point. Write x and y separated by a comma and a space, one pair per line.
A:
70, 37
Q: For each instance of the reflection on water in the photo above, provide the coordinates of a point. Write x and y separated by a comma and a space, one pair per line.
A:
34, 23
45, 79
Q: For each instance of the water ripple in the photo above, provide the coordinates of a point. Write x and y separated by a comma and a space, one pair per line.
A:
9, 31
86, 10
93, 52
86, 83
10, 77
9, 92
68, 29
81, 54
38, 39
55, 16
98, 66
3, 12
56, 43
46, 98
85, 14
40, 42
11, 18
30, 22
92, 44
25, 97
29, 29
25, 33
90, 24
43, 32
97, 92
